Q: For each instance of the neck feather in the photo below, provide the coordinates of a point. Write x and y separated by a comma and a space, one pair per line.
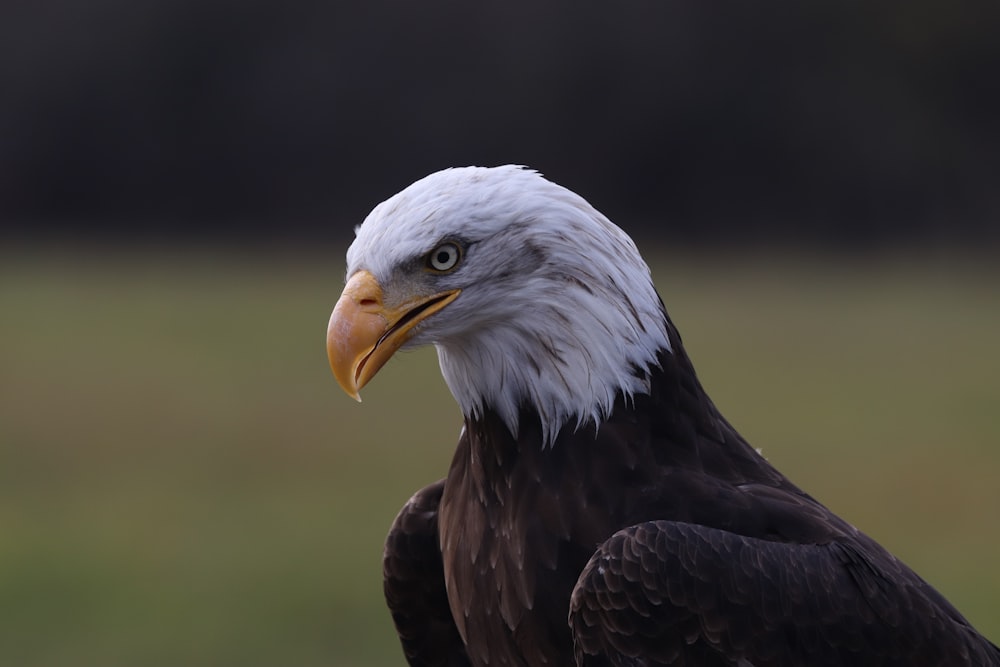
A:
567, 363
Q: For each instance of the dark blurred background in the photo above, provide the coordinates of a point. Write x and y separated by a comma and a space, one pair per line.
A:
830, 122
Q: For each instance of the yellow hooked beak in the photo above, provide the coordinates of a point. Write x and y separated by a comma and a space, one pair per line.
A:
364, 332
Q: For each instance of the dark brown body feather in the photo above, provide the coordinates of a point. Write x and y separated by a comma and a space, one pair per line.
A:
661, 538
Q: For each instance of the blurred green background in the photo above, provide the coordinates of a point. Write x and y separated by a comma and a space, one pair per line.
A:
183, 483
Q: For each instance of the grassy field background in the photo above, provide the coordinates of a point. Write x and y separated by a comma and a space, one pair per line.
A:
183, 483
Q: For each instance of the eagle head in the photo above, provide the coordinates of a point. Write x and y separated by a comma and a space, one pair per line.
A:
533, 299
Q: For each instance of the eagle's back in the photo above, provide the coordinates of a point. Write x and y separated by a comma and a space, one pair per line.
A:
519, 522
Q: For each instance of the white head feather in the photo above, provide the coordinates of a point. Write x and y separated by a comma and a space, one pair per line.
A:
557, 310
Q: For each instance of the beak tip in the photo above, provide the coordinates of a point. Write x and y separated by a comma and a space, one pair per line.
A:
349, 388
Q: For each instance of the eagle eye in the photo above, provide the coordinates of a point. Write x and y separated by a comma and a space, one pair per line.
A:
445, 257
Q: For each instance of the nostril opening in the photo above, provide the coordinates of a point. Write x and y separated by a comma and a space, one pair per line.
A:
367, 303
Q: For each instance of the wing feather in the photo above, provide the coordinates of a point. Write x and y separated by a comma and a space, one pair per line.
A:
414, 585
665, 592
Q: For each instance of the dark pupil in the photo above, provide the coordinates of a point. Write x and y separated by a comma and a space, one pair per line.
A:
442, 257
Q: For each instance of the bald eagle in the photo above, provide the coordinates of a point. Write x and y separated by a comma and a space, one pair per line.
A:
598, 510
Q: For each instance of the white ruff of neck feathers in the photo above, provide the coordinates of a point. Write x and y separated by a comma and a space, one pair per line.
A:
579, 326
